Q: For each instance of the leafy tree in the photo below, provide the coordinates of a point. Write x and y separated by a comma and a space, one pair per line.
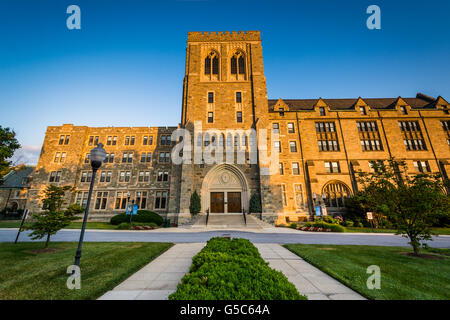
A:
412, 203
8, 144
52, 220
255, 204
195, 205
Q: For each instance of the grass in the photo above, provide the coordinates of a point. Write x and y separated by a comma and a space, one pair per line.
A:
402, 277
28, 275
73, 225
439, 231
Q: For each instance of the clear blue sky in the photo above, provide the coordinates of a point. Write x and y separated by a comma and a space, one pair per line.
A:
125, 66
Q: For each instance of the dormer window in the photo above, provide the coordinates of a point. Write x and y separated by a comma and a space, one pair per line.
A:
322, 111
403, 110
363, 111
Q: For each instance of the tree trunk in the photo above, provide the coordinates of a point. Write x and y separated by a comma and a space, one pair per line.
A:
48, 240
416, 250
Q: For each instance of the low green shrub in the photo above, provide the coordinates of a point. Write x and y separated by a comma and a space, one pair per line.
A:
348, 223
321, 224
142, 216
358, 224
233, 270
293, 225
124, 226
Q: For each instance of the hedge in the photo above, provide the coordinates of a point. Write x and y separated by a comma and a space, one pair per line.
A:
320, 224
142, 216
233, 270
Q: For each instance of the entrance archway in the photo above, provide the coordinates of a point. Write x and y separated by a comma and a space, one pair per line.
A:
225, 190
335, 193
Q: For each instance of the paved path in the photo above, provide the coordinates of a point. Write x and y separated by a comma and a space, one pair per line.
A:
308, 280
158, 279
293, 236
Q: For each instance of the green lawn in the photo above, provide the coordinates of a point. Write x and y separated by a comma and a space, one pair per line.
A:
27, 275
439, 231
73, 225
402, 277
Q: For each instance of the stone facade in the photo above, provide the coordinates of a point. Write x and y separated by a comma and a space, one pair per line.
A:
322, 143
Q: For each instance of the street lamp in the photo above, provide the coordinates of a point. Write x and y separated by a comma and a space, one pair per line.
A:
98, 155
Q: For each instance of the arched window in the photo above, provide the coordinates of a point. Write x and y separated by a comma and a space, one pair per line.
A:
238, 63
335, 193
212, 64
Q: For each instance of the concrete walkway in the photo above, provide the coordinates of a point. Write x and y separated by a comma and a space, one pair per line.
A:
158, 279
308, 280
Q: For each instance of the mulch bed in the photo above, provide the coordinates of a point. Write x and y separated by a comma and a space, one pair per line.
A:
315, 229
142, 228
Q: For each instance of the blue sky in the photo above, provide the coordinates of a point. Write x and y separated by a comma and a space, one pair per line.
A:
126, 65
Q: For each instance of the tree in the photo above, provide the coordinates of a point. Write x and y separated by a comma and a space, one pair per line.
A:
195, 205
8, 144
412, 203
255, 204
53, 219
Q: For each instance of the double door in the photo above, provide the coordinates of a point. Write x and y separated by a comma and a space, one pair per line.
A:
218, 202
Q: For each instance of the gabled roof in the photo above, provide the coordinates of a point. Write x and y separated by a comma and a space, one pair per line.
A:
421, 101
14, 179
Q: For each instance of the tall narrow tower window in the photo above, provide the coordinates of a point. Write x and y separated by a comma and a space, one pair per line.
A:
237, 65
212, 64
241, 65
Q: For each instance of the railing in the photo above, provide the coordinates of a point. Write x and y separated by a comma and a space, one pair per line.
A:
207, 216
245, 217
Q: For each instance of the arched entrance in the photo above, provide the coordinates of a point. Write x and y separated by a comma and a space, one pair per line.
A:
335, 193
225, 190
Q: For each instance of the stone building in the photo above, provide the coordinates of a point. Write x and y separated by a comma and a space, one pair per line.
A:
14, 189
234, 142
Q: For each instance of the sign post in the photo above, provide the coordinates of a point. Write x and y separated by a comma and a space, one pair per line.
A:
370, 218
24, 216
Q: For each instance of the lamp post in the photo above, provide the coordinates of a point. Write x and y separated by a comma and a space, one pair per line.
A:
98, 155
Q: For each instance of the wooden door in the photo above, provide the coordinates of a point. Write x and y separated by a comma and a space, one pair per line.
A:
217, 200
234, 201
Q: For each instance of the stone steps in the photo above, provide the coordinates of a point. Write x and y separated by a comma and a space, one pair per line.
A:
227, 221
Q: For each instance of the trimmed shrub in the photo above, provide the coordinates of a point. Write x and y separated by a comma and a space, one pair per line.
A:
255, 204
142, 216
233, 270
321, 224
124, 226
348, 223
195, 205
293, 225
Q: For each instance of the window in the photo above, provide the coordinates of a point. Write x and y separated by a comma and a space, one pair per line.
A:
87, 158
109, 158
55, 176
127, 140
108, 140
292, 146
114, 141
105, 176
145, 140
63, 157
64, 139
132, 140
238, 97
146, 157
100, 201
121, 200
277, 145
130, 157
295, 168
82, 198
281, 168
163, 176
144, 176
446, 126
124, 176
210, 117
150, 140
164, 157
298, 190
125, 157
369, 136
335, 194
239, 116
86, 176
275, 128
332, 167
162, 140
322, 111
412, 135
281, 111
326, 136
210, 97
291, 127
283, 194
403, 110
422, 166
141, 176
362, 110
93, 140
57, 157
160, 200
212, 60
141, 199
